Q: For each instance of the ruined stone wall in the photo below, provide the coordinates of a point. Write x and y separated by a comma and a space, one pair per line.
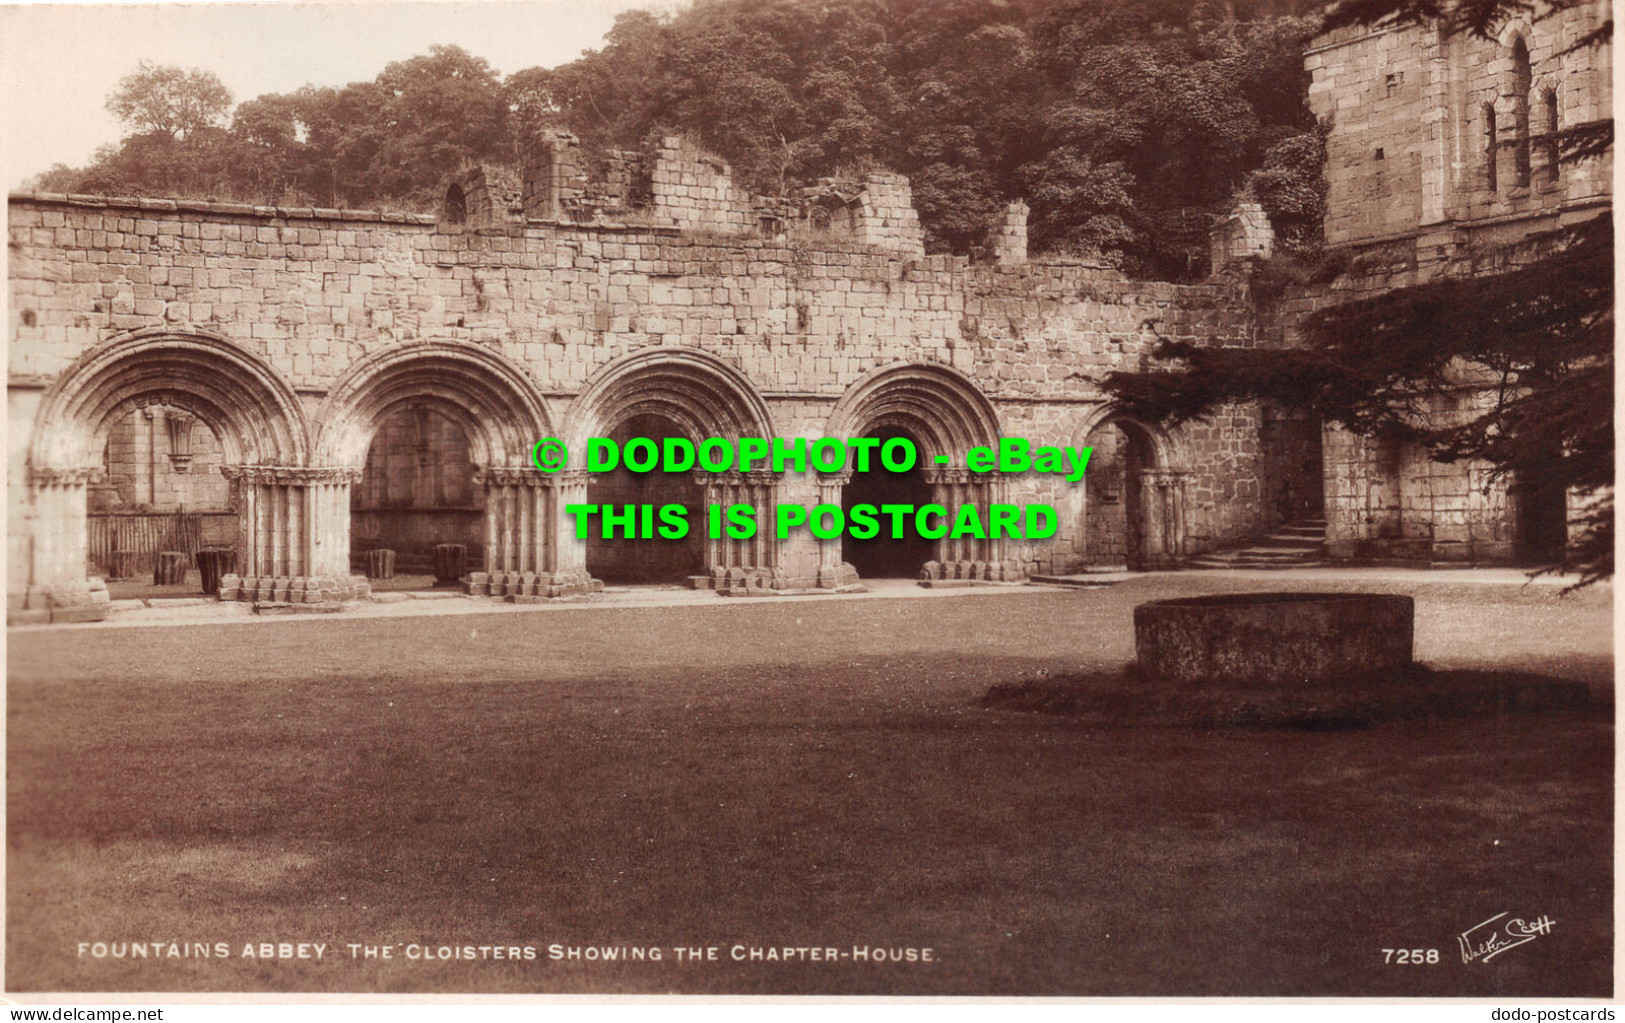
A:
1429, 128
1441, 150
312, 293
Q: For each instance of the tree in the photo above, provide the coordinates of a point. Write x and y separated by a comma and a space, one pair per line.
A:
168, 100
1530, 348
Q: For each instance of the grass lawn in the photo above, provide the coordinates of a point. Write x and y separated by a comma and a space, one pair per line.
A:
776, 773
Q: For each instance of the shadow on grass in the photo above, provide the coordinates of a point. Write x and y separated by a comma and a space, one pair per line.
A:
1132, 698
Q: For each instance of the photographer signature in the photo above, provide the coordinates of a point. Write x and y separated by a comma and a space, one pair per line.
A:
1489, 939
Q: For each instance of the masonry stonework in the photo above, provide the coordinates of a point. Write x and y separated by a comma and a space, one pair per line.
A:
363, 379
1441, 150
302, 337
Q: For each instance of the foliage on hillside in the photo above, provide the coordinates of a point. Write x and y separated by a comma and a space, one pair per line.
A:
1125, 126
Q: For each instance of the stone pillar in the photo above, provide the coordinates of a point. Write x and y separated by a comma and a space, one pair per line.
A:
554, 177
1006, 243
293, 535
1242, 236
833, 573
973, 558
736, 567
1162, 517
530, 548
60, 589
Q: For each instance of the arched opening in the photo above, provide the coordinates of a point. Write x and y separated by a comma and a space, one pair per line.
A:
662, 393
885, 556
1522, 76
635, 558
417, 492
945, 415
439, 435
160, 490
248, 416
454, 210
1114, 526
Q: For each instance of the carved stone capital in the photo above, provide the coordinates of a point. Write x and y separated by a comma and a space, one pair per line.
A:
80, 476
512, 476
1164, 477
950, 475
290, 475
735, 478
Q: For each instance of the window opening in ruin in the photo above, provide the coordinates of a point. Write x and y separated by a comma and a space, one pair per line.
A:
1521, 78
1491, 178
455, 208
647, 561
1553, 153
885, 557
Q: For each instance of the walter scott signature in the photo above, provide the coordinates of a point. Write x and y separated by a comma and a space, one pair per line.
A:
1489, 939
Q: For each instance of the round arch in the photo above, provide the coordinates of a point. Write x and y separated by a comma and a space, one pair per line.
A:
697, 391
936, 403
241, 398
1168, 450
491, 398
945, 414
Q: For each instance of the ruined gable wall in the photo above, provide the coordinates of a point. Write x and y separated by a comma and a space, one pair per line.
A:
1420, 98
1409, 141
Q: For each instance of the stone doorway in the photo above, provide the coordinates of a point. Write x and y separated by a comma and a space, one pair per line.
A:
885, 557
1114, 513
417, 491
653, 561
1539, 513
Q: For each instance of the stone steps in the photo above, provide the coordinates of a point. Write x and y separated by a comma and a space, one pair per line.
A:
1295, 545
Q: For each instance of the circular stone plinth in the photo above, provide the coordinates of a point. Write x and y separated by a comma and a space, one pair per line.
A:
1273, 639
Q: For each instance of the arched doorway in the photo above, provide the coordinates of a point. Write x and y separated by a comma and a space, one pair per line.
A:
186, 378
886, 557
944, 414
623, 559
1133, 511
671, 392
481, 413
417, 491
1114, 508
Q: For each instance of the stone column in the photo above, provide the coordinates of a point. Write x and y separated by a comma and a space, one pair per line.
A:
1002, 563
1162, 517
293, 535
531, 552
833, 573
59, 585
736, 567
972, 558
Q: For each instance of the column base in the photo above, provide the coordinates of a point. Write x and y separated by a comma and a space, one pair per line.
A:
936, 573
63, 602
298, 589
776, 582
568, 583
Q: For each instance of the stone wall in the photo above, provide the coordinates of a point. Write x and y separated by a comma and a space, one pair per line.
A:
1440, 152
562, 313
1413, 112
